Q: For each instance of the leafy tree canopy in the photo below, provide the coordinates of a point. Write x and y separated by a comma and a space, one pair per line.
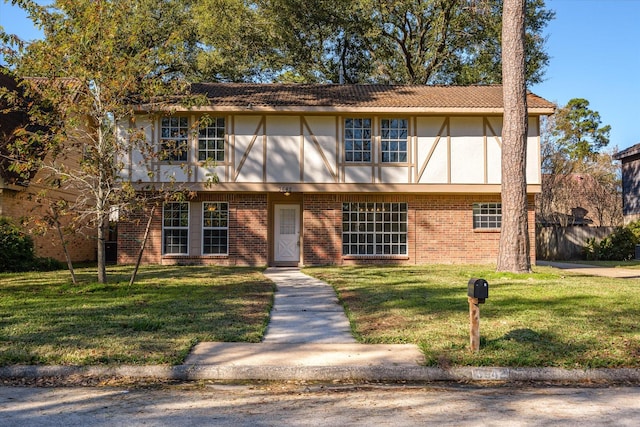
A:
97, 59
400, 41
578, 132
351, 41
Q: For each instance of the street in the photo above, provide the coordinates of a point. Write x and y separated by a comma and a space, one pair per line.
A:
285, 404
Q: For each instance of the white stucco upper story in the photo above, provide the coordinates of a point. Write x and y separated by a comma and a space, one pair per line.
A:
400, 140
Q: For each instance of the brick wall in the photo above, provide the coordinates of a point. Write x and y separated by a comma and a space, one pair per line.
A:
440, 230
22, 208
248, 229
247, 233
322, 229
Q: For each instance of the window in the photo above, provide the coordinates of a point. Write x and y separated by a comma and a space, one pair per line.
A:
487, 215
211, 140
215, 228
374, 229
174, 135
175, 228
394, 140
357, 140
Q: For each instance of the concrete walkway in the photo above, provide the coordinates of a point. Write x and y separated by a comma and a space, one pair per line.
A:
593, 270
305, 310
308, 329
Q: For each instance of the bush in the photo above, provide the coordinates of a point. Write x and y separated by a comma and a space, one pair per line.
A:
47, 264
16, 247
16, 251
618, 246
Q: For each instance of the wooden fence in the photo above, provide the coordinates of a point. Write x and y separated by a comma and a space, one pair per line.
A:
566, 243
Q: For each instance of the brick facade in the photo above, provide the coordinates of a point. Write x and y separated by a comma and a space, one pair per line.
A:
440, 230
247, 234
22, 207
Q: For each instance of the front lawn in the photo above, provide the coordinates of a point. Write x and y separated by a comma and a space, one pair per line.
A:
44, 319
548, 318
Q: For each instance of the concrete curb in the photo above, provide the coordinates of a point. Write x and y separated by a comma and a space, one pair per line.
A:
325, 373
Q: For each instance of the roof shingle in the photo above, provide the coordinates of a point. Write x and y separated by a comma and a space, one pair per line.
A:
278, 96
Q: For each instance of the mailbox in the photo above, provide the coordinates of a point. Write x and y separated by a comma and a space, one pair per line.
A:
478, 288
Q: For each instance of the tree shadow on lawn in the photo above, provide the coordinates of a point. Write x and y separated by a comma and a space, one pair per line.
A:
527, 347
84, 323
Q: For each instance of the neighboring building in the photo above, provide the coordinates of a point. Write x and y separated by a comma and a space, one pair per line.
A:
329, 174
630, 159
19, 195
577, 199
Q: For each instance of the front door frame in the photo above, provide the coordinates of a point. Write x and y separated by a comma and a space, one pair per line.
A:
296, 257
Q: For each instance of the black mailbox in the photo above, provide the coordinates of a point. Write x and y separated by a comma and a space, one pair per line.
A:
478, 288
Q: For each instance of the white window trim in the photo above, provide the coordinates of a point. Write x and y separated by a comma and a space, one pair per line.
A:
397, 140
371, 140
226, 253
479, 224
223, 139
377, 208
187, 141
164, 253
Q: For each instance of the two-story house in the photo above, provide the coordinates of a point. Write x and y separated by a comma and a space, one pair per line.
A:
329, 174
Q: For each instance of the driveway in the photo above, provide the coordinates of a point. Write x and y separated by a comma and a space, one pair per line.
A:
593, 270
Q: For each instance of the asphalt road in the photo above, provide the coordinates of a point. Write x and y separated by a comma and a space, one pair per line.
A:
210, 404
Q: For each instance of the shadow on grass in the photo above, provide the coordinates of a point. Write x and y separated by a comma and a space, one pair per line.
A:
148, 322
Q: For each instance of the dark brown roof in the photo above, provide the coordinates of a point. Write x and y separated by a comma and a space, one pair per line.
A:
339, 97
632, 151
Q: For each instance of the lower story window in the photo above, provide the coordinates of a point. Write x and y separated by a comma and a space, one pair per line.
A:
215, 228
374, 229
175, 228
487, 215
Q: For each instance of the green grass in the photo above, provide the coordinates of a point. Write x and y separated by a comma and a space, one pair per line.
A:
44, 319
548, 318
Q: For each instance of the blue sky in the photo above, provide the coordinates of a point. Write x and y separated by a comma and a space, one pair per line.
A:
595, 54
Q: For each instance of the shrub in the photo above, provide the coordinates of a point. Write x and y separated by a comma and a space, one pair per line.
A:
16, 251
16, 247
618, 246
47, 264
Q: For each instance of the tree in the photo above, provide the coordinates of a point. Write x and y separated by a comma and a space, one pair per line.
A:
320, 41
576, 171
236, 42
578, 132
98, 58
514, 251
400, 41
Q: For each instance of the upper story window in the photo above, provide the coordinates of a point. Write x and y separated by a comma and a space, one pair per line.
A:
357, 140
487, 215
394, 140
175, 228
174, 139
211, 139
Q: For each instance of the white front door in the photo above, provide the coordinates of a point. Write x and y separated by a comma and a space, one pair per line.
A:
287, 233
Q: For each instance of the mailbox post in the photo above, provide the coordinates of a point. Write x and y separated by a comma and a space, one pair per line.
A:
477, 293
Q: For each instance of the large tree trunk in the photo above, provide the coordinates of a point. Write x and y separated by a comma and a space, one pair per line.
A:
514, 252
